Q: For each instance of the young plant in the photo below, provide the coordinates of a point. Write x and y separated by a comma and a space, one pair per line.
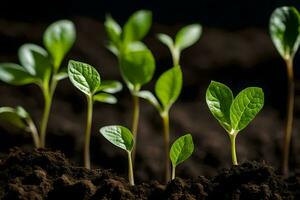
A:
122, 138
42, 67
185, 38
233, 114
181, 150
21, 119
136, 62
86, 78
285, 34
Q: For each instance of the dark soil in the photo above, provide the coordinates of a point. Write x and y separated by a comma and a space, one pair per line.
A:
44, 174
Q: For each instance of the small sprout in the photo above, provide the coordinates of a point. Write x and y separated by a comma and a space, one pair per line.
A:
234, 114
136, 62
122, 138
42, 66
181, 150
285, 34
21, 119
185, 38
86, 78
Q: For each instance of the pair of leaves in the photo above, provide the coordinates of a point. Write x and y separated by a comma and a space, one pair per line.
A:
119, 136
285, 31
181, 149
234, 114
14, 116
86, 78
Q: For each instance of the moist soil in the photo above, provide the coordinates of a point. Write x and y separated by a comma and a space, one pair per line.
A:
45, 174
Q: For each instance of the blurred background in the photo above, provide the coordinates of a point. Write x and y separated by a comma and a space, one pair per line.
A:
235, 48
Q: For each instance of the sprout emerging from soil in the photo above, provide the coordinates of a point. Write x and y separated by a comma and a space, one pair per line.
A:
42, 66
234, 114
181, 150
285, 34
136, 61
86, 78
121, 137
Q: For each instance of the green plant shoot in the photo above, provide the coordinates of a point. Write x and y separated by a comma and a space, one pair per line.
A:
185, 38
285, 34
136, 62
121, 137
21, 119
181, 150
42, 66
86, 78
234, 114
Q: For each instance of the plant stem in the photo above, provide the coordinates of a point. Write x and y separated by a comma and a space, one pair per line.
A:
175, 56
34, 132
173, 172
87, 139
135, 122
44, 122
233, 151
166, 128
289, 117
130, 170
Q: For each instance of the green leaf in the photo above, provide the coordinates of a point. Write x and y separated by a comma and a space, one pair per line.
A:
59, 37
147, 95
245, 107
137, 26
15, 74
36, 61
14, 116
84, 77
137, 67
188, 36
165, 39
168, 87
105, 98
113, 30
110, 86
285, 30
62, 74
119, 136
219, 98
181, 149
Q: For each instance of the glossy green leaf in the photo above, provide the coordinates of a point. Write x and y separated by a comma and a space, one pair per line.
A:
105, 98
137, 67
188, 36
84, 77
147, 95
165, 39
59, 37
36, 61
137, 26
14, 116
219, 98
113, 30
181, 149
168, 87
285, 30
245, 107
15, 74
119, 136
110, 86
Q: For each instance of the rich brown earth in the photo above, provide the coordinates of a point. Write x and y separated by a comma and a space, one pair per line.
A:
44, 174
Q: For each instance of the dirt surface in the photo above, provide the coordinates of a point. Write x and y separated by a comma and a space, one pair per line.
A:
44, 174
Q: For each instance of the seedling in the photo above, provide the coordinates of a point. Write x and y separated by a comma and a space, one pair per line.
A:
181, 150
136, 61
122, 138
42, 67
21, 119
285, 34
233, 114
185, 38
86, 78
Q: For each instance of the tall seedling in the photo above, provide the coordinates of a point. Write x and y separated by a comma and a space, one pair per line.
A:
136, 62
233, 114
42, 66
169, 84
86, 78
285, 34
